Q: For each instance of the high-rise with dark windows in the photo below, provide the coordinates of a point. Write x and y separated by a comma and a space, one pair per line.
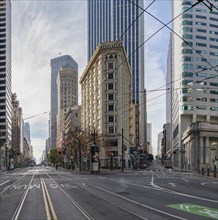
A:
121, 20
5, 73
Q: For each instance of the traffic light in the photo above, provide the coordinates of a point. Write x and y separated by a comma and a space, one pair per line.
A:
94, 150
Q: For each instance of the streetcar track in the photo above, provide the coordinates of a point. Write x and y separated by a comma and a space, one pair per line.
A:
20, 205
114, 204
9, 186
86, 189
139, 204
158, 188
75, 203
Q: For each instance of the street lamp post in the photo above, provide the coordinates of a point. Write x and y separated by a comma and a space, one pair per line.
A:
80, 161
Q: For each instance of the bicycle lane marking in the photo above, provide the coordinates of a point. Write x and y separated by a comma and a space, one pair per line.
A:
196, 209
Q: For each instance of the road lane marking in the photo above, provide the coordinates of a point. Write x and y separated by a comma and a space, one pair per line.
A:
20, 205
9, 186
49, 201
185, 180
173, 184
155, 187
4, 182
196, 209
140, 204
81, 209
208, 183
45, 202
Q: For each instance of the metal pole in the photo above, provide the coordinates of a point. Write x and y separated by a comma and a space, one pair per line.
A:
122, 150
6, 159
80, 162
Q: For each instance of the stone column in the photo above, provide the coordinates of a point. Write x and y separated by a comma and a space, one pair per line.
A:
193, 156
207, 151
201, 151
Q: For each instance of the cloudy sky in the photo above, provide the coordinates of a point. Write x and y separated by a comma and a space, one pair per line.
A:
41, 29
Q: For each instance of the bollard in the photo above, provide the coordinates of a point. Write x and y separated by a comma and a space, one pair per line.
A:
214, 172
208, 171
202, 171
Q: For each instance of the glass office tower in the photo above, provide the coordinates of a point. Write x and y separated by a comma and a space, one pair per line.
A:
56, 65
107, 21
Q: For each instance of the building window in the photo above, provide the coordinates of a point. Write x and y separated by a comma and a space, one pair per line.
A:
187, 107
214, 100
110, 130
201, 30
214, 46
201, 37
110, 86
186, 22
201, 17
214, 92
187, 36
187, 82
201, 23
201, 52
110, 97
110, 108
213, 84
110, 75
110, 118
186, 29
110, 66
201, 45
200, 90
187, 16
186, 43
214, 25
214, 108
187, 66
187, 74
201, 74
187, 99
187, 51
186, 90
186, 59
201, 107
201, 83
201, 99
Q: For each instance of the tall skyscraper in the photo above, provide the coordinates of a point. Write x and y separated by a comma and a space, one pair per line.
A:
26, 132
56, 65
107, 21
5, 74
194, 86
67, 85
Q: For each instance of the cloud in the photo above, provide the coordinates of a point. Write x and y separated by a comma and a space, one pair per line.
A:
40, 30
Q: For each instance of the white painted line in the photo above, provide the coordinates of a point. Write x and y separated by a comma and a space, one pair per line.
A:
137, 203
173, 184
17, 211
185, 180
4, 182
155, 187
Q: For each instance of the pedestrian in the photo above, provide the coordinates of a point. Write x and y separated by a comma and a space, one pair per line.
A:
56, 166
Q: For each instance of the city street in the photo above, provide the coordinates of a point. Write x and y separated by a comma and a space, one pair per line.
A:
155, 194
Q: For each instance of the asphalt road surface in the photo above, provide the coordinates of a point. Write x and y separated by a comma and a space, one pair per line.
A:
153, 194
